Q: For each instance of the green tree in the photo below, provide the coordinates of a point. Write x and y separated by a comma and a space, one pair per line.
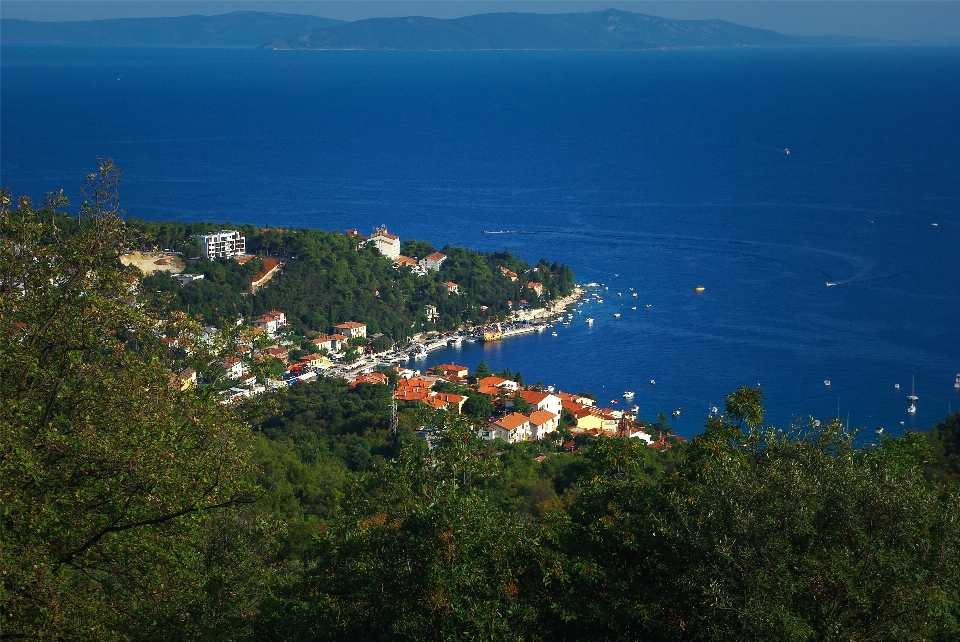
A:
120, 493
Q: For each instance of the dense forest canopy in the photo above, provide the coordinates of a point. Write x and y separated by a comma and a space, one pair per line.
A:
137, 510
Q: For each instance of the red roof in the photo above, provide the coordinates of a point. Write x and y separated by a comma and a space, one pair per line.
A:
268, 264
349, 325
436, 256
533, 397
541, 417
512, 421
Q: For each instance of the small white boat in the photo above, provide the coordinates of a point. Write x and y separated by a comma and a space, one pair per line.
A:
634, 308
652, 382
713, 410
957, 384
589, 320
634, 295
896, 386
628, 394
635, 408
913, 396
879, 431
616, 315
553, 334
826, 382
786, 151
649, 305
676, 413
619, 293
912, 408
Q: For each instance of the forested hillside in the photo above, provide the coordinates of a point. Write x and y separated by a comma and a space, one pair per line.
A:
330, 278
133, 509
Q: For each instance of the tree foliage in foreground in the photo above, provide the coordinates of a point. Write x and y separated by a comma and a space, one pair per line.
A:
757, 534
122, 497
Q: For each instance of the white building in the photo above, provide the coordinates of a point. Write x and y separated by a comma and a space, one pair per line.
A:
352, 329
222, 244
542, 401
542, 423
388, 244
432, 261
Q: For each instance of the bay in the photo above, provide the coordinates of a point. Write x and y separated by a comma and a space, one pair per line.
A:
653, 170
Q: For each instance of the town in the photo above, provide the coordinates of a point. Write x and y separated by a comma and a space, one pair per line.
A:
269, 356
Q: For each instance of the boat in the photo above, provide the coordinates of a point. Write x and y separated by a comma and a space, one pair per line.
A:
616, 315
676, 413
493, 231
455, 342
613, 401
634, 308
826, 382
713, 409
553, 334
652, 382
634, 295
589, 320
628, 394
492, 336
619, 293
786, 151
635, 408
880, 431
957, 384
649, 305
830, 284
699, 288
913, 396
896, 386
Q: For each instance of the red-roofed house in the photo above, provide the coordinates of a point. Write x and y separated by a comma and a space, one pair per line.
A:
497, 382
452, 287
270, 267
377, 378
453, 402
267, 322
542, 422
433, 261
536, 287
352, 329
405, 261
507, 273
542, 401
512, 428
453, 369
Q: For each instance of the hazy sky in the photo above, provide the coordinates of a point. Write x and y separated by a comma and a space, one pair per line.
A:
896, 19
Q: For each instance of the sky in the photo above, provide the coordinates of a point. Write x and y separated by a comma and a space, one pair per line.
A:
889, 19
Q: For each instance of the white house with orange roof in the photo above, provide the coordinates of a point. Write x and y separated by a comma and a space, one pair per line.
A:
512, 428
542, 401
352, 329
542, 423
497, 382
267, 322
433, 261
387, 243
452, 287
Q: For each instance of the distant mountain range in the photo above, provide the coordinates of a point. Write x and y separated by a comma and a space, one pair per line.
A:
238, 29
609, 29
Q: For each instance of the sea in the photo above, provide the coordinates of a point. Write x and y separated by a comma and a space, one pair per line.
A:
649, 172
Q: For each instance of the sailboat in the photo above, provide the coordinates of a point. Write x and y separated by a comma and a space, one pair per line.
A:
913, 397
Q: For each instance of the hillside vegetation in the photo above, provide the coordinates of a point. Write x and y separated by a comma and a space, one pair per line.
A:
137, 510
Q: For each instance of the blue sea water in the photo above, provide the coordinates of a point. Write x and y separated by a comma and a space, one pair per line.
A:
653, 170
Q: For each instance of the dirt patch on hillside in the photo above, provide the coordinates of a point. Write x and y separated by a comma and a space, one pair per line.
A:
150, 262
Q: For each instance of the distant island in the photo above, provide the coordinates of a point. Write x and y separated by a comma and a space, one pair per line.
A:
610, 29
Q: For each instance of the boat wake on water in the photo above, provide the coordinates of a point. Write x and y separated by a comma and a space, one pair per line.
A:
830, 284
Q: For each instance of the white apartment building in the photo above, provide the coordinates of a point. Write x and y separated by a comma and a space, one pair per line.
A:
388, 244
222, 244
